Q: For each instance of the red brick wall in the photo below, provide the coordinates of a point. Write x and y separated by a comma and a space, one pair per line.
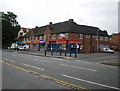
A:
115, 41
47, 32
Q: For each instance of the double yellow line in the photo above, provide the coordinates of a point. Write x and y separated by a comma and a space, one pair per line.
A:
57, 81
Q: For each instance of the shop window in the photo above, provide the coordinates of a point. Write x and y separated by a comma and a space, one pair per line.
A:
63, 47
81, 36
54, 36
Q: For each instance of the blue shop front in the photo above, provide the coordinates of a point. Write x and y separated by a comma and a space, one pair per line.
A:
68, 46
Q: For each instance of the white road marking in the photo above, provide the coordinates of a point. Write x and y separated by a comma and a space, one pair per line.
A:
25, 57
9, 60
78, 67
13, 55
103, 85
42, 60
32, 66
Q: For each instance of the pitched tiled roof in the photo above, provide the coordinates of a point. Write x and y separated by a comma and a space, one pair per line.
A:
70, 27
30, 33
39, 30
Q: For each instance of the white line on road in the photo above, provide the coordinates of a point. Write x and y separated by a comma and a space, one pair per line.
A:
78, 67
32, 66
9, 60
103, 85
13, 55
42, 60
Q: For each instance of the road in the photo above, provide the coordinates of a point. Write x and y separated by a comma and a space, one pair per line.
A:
53, 73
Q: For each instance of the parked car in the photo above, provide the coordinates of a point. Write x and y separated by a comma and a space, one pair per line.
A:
21, 48
107, 50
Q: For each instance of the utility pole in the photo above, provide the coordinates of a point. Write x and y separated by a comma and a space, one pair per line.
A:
97, 42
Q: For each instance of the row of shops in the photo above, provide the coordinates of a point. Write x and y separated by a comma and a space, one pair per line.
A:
68, 46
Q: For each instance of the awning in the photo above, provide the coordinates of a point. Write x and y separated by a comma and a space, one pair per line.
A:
36, 41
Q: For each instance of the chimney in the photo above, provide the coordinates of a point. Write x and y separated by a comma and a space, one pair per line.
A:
71, 20
50, 23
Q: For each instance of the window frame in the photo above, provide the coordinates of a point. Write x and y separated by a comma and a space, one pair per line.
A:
54, 36
81, 36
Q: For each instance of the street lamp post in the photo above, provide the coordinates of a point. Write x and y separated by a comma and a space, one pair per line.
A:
97, 42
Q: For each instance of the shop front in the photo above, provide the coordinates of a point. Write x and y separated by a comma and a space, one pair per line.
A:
41, 46
28, 44
68, 46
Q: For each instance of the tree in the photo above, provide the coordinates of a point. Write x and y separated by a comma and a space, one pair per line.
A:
10, 28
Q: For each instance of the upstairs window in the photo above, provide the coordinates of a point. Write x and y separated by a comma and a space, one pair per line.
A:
32, 37
54, 36
48, 36
66, 35
36, 38
61, 36
40, 37
95, 37
44, 37
101, 38
87, 36
81, 36
106, 38
27, 39
24, 39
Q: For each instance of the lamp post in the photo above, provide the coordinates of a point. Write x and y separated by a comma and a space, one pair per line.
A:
97, 42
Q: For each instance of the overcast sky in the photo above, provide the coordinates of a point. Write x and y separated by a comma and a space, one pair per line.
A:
99, 13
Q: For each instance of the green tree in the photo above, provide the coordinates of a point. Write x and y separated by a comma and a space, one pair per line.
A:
10, 28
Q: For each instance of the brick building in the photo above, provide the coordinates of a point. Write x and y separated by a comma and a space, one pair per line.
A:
115, 41
69, 36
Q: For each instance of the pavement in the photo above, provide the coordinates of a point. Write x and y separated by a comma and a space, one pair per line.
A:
102, 58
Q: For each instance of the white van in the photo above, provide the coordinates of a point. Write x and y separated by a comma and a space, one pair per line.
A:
107, 50
14, 46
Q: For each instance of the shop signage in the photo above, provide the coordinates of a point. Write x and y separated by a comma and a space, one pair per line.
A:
36, 41
41, 41
74, 42
27, 41
47, 42
52, 42
61, 42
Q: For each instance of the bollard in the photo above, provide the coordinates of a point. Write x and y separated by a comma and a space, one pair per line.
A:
45, 52
70, 54
65, 53
75, 54
51, 52
60, 53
